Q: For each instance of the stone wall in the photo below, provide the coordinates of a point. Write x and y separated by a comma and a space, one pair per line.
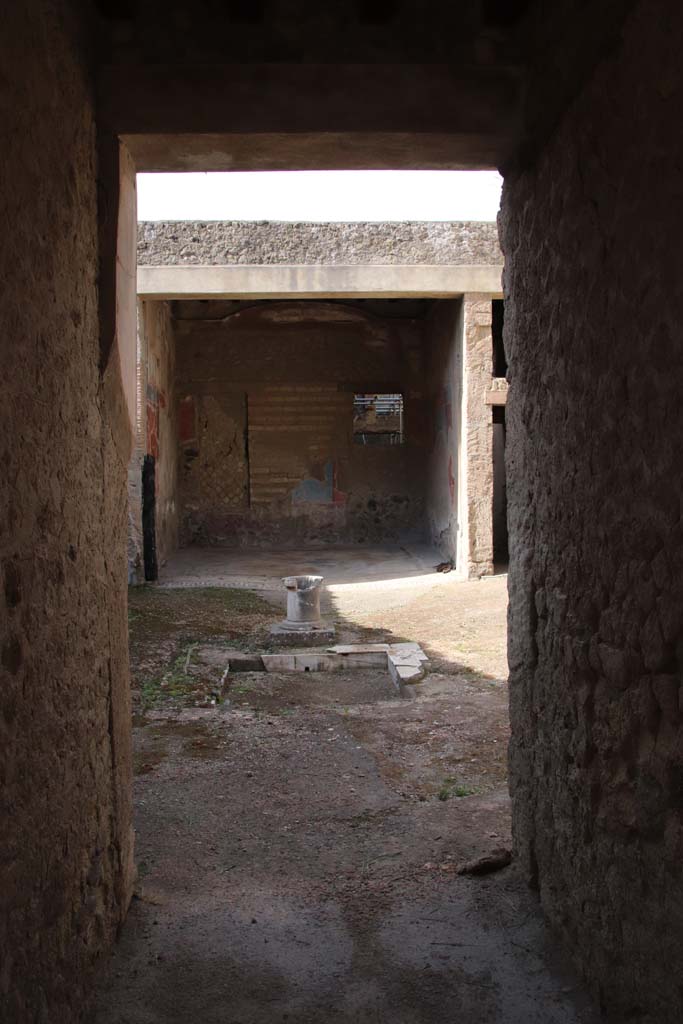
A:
445, 337
460, 488
266, 423
65, 858
136, 571
161, 422
157, 435
592, 235
266, 242
476, 464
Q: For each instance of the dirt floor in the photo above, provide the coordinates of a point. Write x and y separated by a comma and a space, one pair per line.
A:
299, 835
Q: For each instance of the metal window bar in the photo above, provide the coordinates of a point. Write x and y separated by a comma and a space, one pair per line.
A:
384, 406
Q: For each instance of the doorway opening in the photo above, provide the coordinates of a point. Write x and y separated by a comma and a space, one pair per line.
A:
501, 552
500, 365
149, 540
341, 417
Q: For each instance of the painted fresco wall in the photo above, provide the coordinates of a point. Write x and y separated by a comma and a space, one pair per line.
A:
266, 449
156, 435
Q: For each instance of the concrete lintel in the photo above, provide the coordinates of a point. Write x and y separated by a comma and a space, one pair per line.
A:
283, 282
497, 397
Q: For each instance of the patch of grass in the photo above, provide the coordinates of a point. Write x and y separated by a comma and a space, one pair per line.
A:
166, 624
149, 693
174, 683
239, 599
451, 787
157, 613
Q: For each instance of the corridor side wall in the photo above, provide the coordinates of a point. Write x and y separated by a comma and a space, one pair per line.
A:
592, 240
65, 853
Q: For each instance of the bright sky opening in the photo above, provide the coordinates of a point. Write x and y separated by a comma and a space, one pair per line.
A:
321, 196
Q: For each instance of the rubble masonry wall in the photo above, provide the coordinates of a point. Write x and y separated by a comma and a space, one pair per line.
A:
270, 242
65, 862
592, 237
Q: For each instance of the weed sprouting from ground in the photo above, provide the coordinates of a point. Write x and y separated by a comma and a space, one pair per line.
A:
175, 683
451, 787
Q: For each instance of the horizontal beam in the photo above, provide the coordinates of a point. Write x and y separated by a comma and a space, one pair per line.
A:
275, 281
497, 396
183, 117
313, 151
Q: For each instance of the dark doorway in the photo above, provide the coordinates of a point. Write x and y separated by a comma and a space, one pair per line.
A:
500, 527
149, 538
500, 366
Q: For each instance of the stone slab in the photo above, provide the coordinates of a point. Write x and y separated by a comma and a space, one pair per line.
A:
295, 637
359, 648
405, 672
405, 662
408, 648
